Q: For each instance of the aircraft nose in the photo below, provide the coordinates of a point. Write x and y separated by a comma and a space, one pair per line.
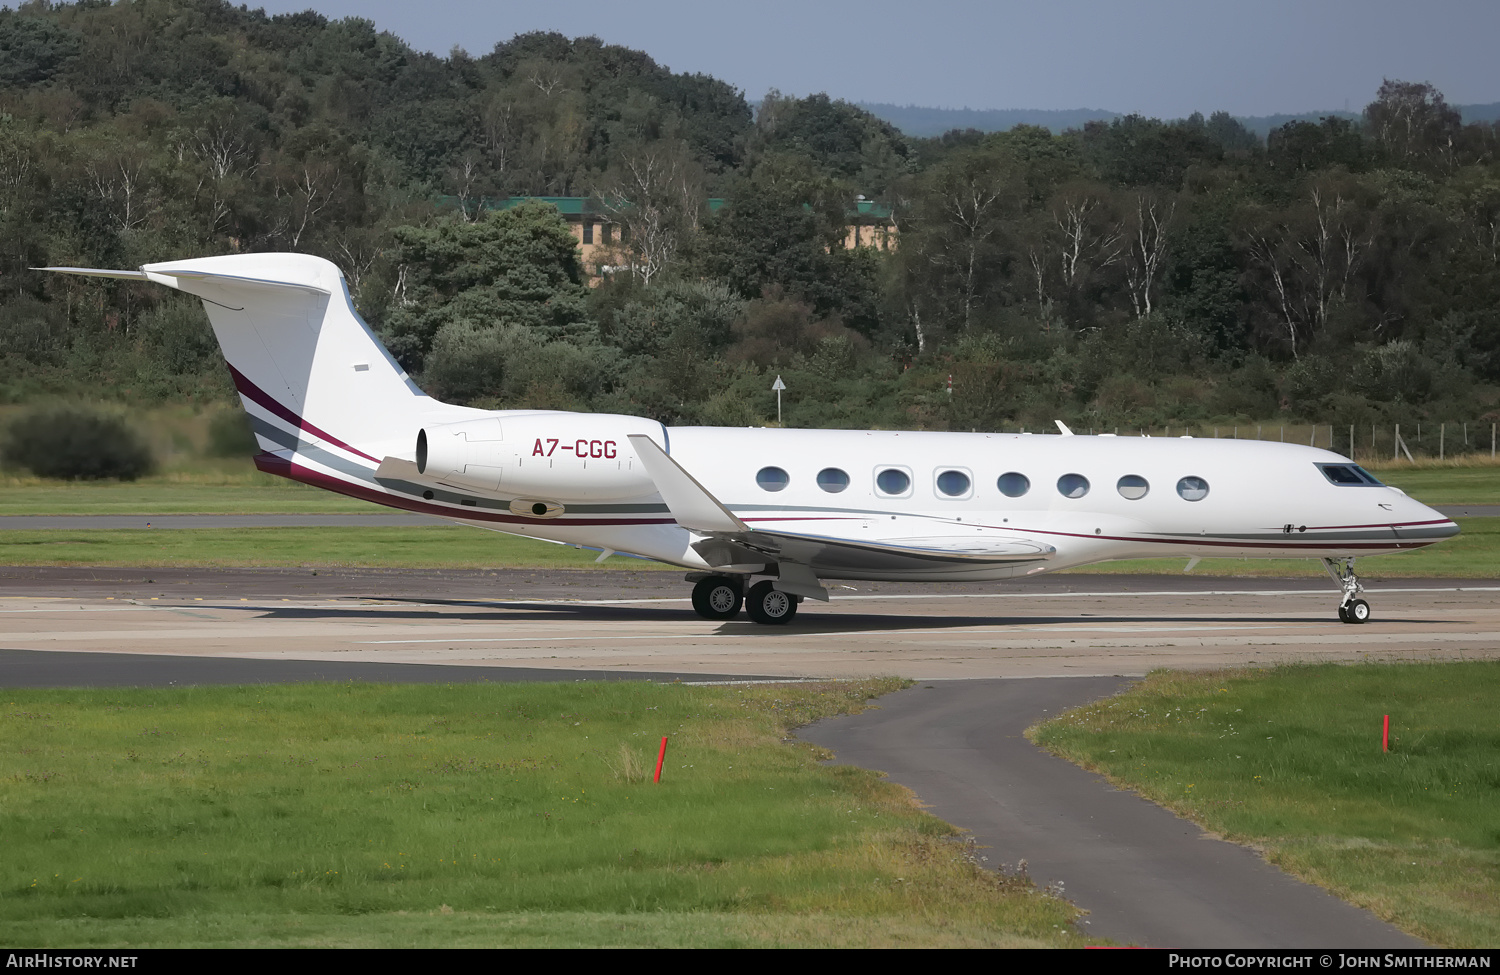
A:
1429, 523
1445, 530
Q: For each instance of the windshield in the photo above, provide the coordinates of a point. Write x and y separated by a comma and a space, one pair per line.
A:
1348, 475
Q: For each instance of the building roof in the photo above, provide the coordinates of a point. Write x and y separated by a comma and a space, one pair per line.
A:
865, 211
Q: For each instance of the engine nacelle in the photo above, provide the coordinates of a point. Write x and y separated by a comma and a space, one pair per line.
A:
559, 456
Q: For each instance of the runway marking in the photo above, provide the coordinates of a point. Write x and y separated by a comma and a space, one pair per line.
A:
841, 598
123, 607
801, 633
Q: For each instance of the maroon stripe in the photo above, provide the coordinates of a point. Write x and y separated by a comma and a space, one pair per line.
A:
282, 467
1310, 545
260, 396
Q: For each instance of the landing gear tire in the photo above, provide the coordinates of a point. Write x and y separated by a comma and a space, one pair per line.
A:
1356, 612
768, 606
717, 598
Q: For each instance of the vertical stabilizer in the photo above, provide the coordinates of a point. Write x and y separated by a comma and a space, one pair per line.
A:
307, 367
299, 351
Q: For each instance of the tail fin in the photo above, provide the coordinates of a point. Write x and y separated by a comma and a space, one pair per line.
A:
298, 351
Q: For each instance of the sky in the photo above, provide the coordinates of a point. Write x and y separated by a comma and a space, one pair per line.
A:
1161, 58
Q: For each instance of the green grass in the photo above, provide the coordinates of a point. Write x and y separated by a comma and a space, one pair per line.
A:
247, 494
436, 546
1445, 484
1473, 555
1289, 760
440, 815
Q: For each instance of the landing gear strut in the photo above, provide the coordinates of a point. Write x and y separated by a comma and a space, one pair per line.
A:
1352, 609
718, 597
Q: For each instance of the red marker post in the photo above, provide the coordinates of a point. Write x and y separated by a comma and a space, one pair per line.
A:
1385, 736
660, 757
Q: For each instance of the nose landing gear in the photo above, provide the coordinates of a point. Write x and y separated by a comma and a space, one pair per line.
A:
1352, 609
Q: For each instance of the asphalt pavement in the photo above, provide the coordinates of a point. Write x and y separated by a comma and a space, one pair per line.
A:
1145, 876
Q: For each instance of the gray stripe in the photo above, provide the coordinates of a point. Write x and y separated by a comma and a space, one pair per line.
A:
269, 432
1318, 535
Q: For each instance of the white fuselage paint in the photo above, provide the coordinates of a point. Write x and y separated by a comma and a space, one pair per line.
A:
331, 408
1264, 500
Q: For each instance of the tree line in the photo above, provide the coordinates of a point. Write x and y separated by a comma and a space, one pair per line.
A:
1134, 271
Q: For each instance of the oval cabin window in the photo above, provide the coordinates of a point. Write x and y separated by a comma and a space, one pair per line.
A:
772, 478
1013, 485
953, 484
1133, 487
1192, 488
832, 480
1072, 485
892, 481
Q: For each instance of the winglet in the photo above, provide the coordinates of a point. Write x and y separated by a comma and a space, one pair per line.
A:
690, 503
1063, 428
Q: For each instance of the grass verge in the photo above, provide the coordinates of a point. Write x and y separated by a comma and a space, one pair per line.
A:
1453, 483
477, 815
1289, 760
1473, 555
436, 546
248, 494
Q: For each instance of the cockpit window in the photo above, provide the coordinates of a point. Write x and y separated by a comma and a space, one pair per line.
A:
1348, 475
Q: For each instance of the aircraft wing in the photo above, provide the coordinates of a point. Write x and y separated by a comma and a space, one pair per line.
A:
831, 553
729, 541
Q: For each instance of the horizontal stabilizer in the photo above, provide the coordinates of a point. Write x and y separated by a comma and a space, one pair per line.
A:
95, 272
178, 274
309, 371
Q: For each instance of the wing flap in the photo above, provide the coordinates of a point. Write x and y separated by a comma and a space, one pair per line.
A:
831, 552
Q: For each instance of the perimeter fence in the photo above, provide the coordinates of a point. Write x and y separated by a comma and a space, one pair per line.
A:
1366, 443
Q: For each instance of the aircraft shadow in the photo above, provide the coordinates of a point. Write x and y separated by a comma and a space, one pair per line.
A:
811, 622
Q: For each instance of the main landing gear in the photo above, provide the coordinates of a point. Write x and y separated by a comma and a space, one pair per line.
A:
720, 597
1352, 609
769, 605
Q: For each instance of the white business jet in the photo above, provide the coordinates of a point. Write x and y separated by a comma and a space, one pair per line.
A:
331, 408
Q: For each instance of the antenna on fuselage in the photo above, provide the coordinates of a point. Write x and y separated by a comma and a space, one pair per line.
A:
1063, 428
